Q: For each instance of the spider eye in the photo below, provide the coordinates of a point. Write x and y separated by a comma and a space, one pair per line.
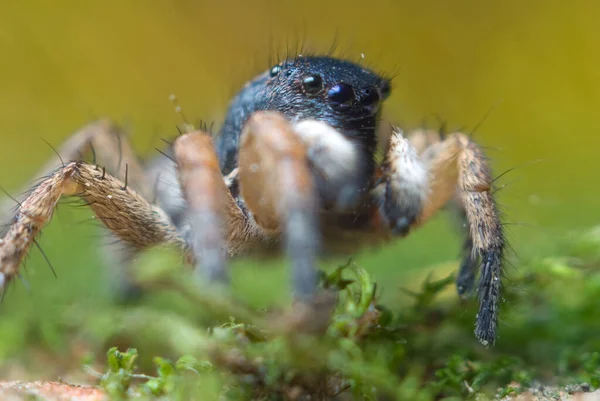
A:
312, 84
275, 71
385, 89
341, 95
370, 99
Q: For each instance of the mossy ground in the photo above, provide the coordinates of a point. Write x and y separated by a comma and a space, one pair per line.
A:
198, 347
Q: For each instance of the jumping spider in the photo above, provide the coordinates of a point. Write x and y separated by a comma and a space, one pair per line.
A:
294, 163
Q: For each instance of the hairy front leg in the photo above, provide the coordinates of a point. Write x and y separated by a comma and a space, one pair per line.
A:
128, 215
276, 184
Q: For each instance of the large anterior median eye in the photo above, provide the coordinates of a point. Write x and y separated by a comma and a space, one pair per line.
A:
341, 95
312, 84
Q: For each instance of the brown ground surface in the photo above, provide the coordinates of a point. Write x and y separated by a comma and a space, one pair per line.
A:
552, 394
57, 391
51, 391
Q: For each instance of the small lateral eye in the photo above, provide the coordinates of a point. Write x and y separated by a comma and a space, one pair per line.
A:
275, 70
341, 95
370, 97
312, 84
385, 89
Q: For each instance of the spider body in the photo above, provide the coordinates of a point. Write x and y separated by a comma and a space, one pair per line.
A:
343, 95
294, 164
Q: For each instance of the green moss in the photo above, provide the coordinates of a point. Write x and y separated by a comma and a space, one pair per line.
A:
421, 350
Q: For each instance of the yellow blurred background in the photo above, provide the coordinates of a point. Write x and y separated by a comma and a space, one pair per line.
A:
534, 64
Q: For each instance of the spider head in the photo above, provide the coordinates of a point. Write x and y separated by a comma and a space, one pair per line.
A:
348, 98
342, 94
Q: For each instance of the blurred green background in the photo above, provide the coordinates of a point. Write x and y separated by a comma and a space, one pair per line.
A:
533, 63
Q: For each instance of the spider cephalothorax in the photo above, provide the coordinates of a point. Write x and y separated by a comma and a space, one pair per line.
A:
294, 163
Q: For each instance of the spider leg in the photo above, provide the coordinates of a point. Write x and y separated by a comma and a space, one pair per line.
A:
458, 168
128, 215
422, 139
276, 184
465, 280
427, 145
217, 222
105, 144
